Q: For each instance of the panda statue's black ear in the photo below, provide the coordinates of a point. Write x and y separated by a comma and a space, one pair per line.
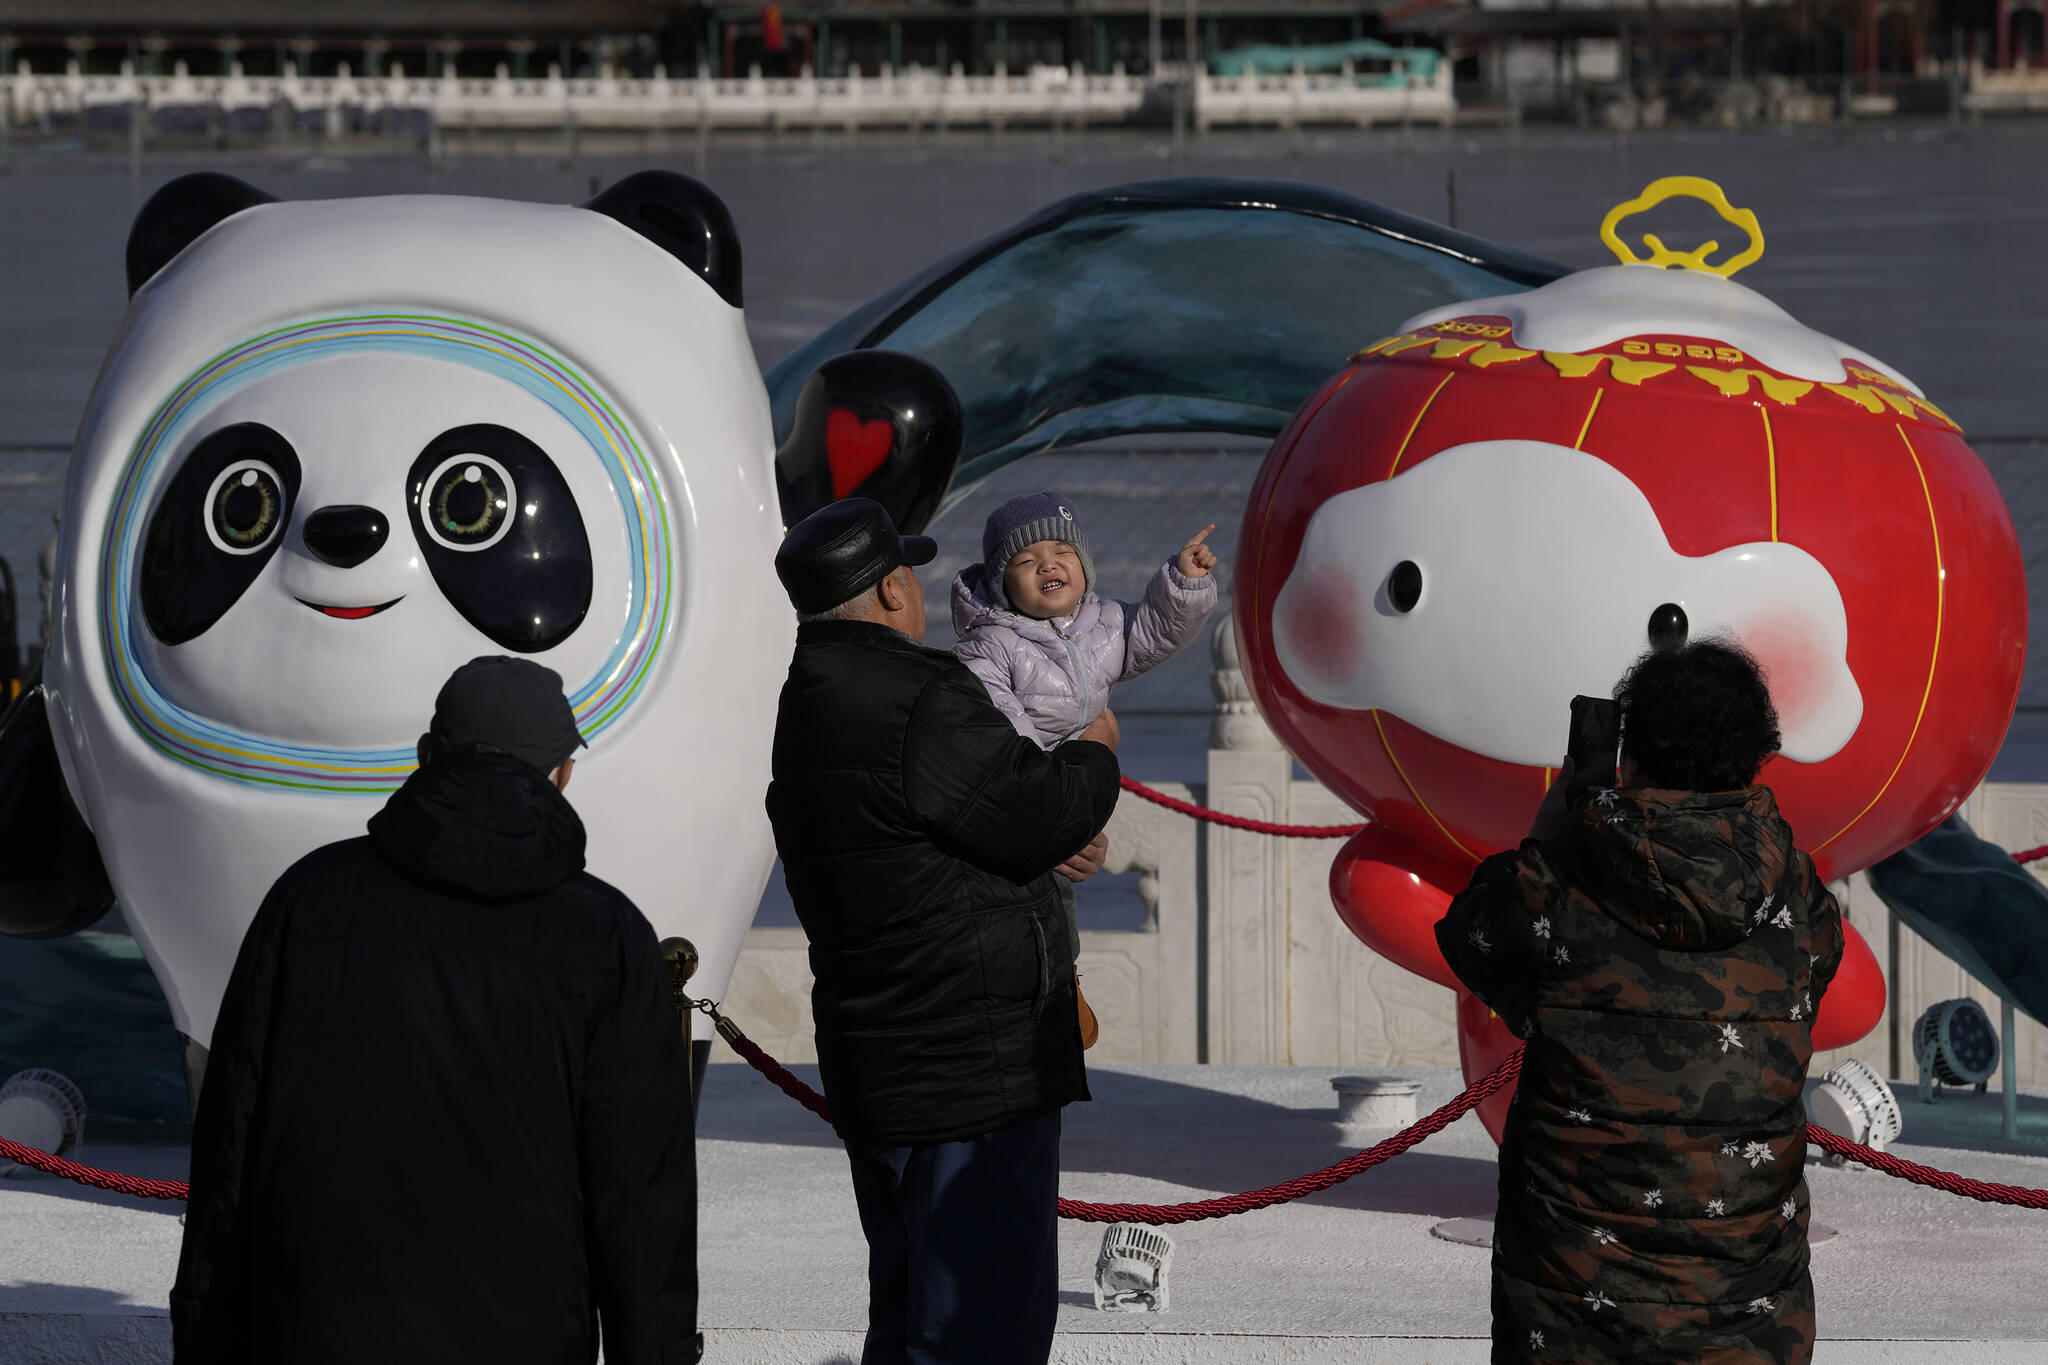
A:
872, 424
177, 214
683, 217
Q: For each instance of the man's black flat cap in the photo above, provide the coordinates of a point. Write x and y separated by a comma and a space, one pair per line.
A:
511, 704
840, 551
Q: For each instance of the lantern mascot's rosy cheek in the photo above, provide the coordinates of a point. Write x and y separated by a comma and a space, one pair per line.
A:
1503, 503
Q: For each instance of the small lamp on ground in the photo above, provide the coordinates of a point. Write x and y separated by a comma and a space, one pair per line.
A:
1955, 1044
1130, 1271
43, 1110
1854, 1101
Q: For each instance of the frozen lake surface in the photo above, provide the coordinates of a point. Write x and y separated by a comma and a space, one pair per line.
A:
1919, 244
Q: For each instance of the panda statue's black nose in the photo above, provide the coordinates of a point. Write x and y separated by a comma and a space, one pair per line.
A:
346, 536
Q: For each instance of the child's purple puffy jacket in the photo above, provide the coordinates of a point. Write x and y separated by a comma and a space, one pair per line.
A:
1051, 682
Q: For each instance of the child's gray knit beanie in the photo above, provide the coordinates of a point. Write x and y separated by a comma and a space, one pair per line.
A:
1025, 520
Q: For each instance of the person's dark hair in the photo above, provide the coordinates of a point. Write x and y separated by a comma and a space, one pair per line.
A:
1697, 717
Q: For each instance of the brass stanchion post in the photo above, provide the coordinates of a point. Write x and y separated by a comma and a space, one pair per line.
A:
681, 956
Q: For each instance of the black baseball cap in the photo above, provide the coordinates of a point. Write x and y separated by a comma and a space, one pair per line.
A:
841, 550
511, 704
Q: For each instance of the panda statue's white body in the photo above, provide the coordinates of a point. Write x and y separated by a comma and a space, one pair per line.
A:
224, 698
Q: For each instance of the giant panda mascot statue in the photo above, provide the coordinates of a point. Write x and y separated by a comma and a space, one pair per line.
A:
337, 449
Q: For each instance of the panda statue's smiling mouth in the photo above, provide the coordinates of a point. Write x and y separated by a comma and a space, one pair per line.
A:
351, 613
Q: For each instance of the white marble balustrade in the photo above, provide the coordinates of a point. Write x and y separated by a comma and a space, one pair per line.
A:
909, 98
608, 101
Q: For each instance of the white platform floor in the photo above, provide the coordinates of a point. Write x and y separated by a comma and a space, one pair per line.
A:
1351, 1274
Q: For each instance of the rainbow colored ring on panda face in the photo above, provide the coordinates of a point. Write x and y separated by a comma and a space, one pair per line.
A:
599, 701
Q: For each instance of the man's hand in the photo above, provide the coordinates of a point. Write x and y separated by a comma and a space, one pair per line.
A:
1196, 559
1088, 861
1550, 815
1104, 730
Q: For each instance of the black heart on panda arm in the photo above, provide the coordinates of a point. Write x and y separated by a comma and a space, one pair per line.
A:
683, 217
873, 424
179, 214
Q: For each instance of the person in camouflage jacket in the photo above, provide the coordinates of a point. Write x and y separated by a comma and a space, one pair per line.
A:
1662, 947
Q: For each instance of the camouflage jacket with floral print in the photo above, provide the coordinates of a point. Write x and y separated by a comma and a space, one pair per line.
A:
1663, 956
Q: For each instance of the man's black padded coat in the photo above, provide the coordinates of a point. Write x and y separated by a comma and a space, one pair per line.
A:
447, 1112
918, 831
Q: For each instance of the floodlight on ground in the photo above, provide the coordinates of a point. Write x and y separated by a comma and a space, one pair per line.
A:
1955, 1044
1130, 1271
43, 1110
1854, 1101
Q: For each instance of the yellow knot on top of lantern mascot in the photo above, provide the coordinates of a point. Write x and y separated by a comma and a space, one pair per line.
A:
1661, 256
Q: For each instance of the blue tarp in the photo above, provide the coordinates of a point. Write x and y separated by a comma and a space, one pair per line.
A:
1366, 55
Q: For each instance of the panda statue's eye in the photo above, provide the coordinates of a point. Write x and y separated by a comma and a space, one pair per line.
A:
220, 519
501, 533
245, 507
468, 502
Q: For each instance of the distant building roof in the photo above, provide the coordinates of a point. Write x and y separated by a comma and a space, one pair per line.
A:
1565, 18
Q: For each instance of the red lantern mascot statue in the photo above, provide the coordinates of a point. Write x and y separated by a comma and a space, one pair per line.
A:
1502, 505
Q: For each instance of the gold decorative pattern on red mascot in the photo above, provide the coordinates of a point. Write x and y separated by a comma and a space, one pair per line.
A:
1642, 359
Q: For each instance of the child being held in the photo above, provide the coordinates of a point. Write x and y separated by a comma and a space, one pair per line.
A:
1048, 649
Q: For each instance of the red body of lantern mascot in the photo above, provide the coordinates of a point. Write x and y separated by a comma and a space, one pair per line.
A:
1483, 515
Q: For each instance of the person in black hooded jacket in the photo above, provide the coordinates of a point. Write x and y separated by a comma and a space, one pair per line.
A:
921, 837
446, 1115
1663, 946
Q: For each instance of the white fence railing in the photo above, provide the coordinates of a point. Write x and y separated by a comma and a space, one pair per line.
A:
910, 98
604, 101
2016, 91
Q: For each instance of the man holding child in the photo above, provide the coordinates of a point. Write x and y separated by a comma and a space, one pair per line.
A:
923, 839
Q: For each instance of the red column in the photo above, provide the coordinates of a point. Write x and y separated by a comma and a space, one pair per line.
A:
2004, 35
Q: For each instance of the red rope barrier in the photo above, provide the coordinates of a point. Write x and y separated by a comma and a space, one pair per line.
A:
92, 1175
1926, 1175
1286, 1191
1156, 1214
776, 1072
1282, 1193
1217, 817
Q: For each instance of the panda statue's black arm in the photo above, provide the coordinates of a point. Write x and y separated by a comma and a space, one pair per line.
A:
52, 882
